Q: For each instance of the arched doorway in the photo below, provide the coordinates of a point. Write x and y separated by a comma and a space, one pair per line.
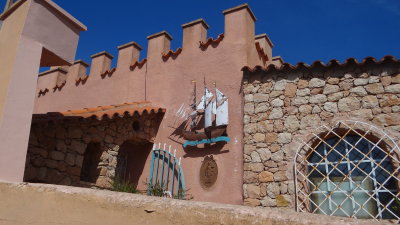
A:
131, 161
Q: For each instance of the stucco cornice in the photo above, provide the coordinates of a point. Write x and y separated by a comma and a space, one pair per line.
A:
53, 6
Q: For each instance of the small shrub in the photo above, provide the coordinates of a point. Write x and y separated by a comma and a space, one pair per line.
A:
157, 189
123, 186
161, 190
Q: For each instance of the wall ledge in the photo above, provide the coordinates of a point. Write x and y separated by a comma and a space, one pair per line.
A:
87, 206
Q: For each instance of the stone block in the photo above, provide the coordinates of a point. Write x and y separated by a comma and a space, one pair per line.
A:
265, 154
75, 132
303, 92
253, 191
250, 177
57, 155
335, 96
271, 137
292, 123
318, 99
276, 113
376, 88
359, 91
389, 100
305, 109
255, 157
277, 103
386, 80
362, 113
251, 202
345, 85
70, 159
249, 108
370, 102
273, 189
390, 119
302, 84
75, 171
300, 101
393, 89
265, 176
78, 146
311, 121
360, 81
284, 138
268, 202
316, 82
280, 176
277, 156
348, 104
316, 91
280, 85
260, 97
255, 167
329, 89
290, 90
259, 137
330, 107
282, 201
333, 80
39, 151
250, 128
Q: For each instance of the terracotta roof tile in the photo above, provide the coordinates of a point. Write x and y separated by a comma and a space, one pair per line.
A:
138, 64
211, 41
319, 64
100, 112
108, 72
261, 52
171, 53
81, 78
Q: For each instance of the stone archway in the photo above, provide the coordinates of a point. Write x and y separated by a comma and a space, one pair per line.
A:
350, 169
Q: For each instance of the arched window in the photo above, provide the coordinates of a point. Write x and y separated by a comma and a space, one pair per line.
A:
349, 171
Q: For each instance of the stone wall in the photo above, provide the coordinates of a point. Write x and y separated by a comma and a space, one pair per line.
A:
56, 148
283, 106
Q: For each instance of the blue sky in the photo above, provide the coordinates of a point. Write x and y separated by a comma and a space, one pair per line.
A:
302, 30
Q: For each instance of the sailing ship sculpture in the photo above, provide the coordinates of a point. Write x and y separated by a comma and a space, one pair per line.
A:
212, 111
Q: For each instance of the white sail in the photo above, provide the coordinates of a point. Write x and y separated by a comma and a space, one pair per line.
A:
221, 109
208, 115
206, 98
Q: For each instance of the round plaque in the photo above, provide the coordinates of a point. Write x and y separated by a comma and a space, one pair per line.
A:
208, 172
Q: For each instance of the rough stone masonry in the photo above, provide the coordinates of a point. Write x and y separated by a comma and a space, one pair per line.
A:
281, 106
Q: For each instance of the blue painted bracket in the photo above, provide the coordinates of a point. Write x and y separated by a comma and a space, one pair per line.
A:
206, 141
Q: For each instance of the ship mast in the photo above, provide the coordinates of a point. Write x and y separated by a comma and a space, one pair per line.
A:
193, 124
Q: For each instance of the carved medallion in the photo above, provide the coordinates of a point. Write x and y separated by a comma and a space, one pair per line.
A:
208, 172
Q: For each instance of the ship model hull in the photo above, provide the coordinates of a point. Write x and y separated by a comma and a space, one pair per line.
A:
208, 134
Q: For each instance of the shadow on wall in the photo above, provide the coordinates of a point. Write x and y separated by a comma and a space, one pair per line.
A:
131, 160
90, 171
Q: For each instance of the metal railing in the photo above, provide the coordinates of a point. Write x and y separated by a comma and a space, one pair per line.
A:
166, 174
351, 170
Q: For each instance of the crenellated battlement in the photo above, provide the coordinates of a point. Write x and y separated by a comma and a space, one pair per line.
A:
198, 51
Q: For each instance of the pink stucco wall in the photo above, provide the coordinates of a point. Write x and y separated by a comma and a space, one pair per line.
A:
167, 83
29, 27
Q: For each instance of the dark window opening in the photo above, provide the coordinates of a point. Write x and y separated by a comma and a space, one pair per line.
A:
91, 159
136, 125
